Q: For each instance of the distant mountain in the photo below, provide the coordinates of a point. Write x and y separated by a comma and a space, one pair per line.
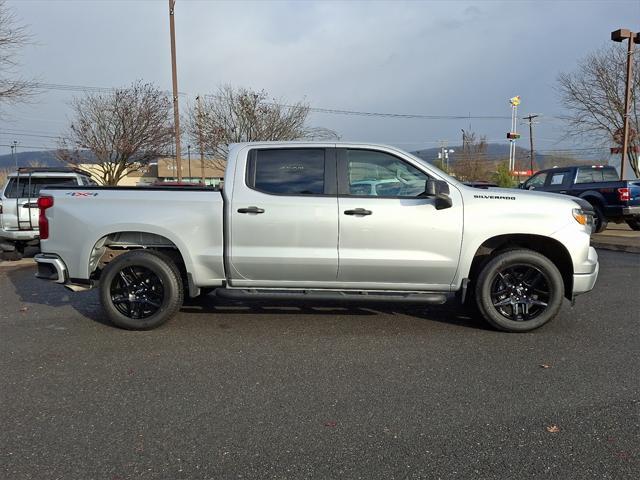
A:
41, 158
495, 151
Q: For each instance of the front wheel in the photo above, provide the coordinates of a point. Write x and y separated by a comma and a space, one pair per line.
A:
519, 291
141, 290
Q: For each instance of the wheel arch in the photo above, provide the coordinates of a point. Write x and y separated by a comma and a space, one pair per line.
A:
592, 197
549, 247
113, 244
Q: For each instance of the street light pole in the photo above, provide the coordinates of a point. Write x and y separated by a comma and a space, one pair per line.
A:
618, 36
174, 78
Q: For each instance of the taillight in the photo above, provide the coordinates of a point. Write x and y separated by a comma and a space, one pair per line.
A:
624, 194
44, 202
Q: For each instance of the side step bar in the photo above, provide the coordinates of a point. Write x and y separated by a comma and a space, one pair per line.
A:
432, 298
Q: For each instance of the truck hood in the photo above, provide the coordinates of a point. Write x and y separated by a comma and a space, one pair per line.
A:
519, 211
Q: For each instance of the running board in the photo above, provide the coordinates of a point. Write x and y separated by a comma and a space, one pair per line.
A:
312, 295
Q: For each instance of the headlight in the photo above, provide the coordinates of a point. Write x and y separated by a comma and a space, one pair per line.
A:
583, 217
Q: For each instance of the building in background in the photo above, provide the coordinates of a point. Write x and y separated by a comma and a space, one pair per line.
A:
164, 170
191, 171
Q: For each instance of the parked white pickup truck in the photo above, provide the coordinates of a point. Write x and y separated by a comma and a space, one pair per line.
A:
18, 203
294, 222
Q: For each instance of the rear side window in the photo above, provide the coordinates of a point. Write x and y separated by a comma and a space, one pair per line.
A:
591, 175
22, 188
287, 171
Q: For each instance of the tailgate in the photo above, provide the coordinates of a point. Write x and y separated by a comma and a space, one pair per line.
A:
634, 193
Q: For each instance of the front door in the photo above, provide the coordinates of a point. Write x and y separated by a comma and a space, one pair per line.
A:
284, 219
390, 235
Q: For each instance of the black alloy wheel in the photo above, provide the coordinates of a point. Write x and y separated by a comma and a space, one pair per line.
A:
141, 289
137, 292
520, 292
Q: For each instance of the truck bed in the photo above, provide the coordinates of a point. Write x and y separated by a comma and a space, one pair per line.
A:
189, 218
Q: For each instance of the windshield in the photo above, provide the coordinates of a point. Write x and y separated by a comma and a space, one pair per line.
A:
31, 189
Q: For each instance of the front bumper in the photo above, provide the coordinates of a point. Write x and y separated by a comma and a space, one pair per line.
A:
19, 235
583, 282
51, 267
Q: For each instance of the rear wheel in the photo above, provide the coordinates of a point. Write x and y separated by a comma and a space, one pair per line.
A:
141, 290
600, 220
634, 222
519, 290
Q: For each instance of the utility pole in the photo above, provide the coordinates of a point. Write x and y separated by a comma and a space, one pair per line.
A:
14, 152
189, 157
619, 36
200, 139
531, 152
174, 78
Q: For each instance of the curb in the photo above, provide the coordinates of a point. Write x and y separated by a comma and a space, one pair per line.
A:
24, 262
616, 247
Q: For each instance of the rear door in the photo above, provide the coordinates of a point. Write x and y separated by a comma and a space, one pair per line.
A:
391, 237
283, 218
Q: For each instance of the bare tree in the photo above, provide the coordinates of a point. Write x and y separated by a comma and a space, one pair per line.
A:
12, 38
124, 130
234, 115
472, 162
594, 96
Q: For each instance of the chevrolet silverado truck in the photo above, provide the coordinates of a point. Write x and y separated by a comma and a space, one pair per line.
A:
293, 222
612, 199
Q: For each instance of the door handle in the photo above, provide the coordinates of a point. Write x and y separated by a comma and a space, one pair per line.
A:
251, 210
358, 211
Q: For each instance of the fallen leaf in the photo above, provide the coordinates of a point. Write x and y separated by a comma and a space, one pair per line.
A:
553, 429
544, 365
331, 424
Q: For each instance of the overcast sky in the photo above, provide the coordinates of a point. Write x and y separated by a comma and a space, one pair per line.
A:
433, 58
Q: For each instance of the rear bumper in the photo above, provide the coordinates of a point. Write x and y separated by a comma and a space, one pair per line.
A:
584, 282
631, 210
51, 267
19, 235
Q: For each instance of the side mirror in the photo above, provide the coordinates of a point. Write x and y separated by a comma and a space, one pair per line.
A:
521, 185
440, 190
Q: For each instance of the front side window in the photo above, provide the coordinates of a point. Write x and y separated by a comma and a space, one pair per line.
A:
536, 181
378, 174
22, 188
288, 171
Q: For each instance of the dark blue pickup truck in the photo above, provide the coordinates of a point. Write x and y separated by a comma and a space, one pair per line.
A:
612, 199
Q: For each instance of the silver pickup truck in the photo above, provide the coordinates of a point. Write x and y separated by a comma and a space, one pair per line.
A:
320, 221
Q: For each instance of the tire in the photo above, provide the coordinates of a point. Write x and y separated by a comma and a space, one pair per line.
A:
519, 290
600, 220
634, 222
141, 290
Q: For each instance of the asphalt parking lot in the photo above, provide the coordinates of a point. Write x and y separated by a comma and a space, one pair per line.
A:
393, 392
